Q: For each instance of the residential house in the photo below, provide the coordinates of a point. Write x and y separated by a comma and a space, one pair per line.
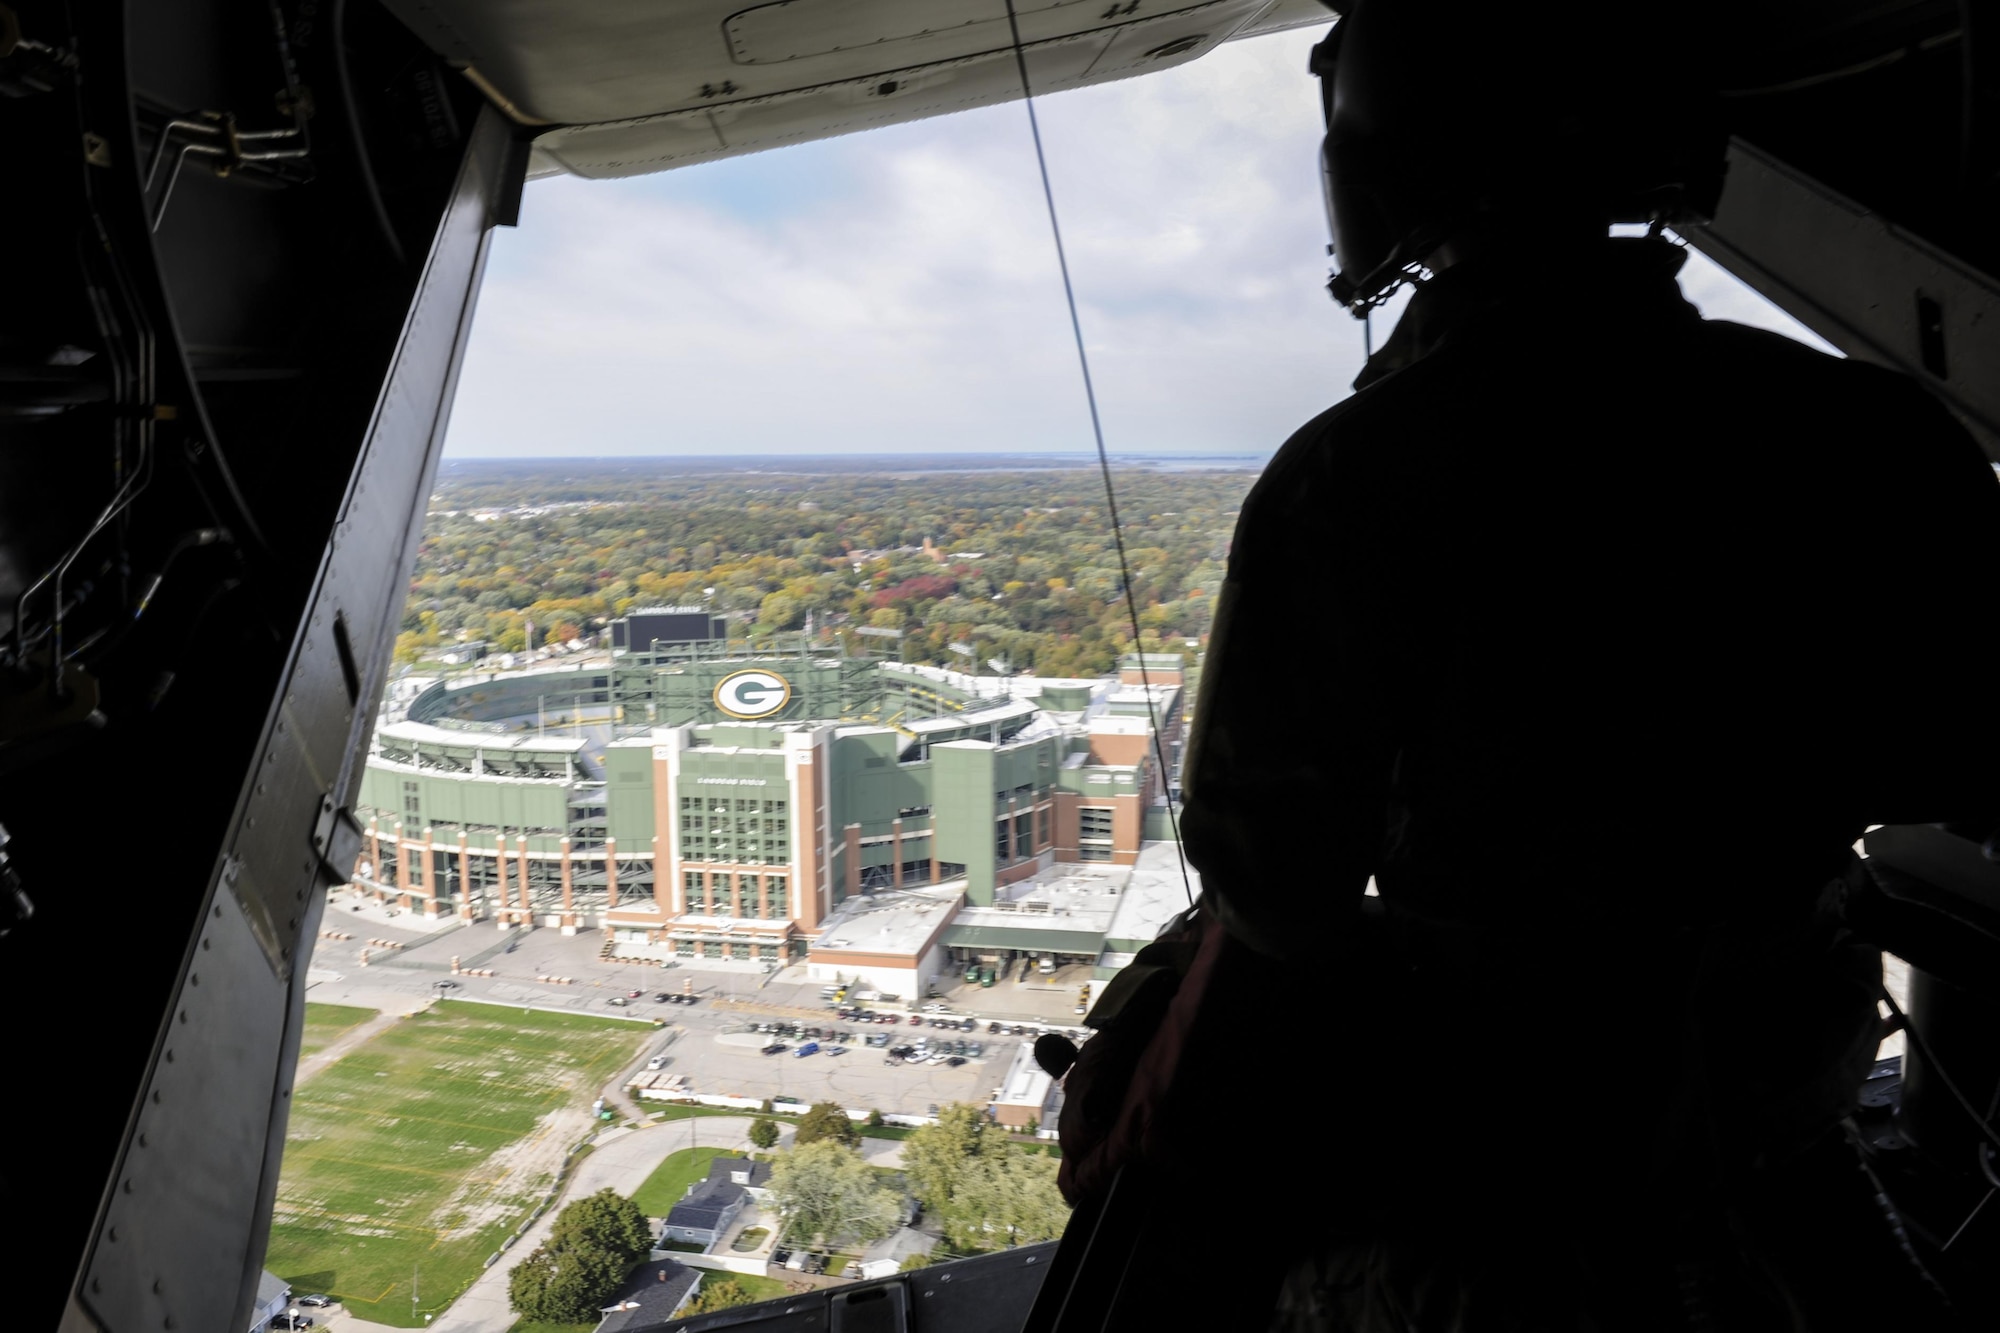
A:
273, 1294
652, 1296
704, 1214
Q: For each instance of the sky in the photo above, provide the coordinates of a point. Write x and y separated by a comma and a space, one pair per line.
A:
897, 291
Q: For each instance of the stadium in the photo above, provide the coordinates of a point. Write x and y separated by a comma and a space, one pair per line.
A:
702, 797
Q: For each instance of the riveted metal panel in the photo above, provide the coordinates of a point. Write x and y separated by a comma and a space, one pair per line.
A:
184, 1224
1862, 283
179, 1219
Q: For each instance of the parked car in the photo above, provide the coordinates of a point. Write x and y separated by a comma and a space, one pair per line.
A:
775, 1047
815, 1263
663, 998
976, 1049
836, 1050
955, 1061
630, 995
619, 1000
810, 1048
317, 1301
781, 1257
993, 1027
657, 1062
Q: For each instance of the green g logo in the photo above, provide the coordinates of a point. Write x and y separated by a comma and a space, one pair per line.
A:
752, 694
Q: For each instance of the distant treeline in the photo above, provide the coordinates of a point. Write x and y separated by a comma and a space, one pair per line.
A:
1024, 569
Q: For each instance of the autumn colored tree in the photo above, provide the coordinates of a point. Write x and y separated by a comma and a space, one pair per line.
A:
826, 1121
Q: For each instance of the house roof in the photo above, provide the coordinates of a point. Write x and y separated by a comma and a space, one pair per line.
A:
655, 1290
724, 1169
703, 1207
271, 1287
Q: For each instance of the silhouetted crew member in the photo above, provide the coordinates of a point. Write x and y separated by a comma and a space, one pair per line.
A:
1595, 633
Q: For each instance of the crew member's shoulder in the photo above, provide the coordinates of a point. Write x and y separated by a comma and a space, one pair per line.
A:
1348, 441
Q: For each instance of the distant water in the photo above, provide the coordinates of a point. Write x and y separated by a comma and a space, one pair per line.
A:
464, 469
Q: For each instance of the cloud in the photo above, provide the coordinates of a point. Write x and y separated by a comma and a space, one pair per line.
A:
898, 290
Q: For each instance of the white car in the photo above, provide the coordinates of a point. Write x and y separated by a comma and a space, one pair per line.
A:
657, 1062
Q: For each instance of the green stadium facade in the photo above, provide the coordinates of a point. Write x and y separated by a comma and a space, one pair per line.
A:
779, 800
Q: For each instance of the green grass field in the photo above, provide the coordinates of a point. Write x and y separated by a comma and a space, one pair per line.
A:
420, 1151
671, 1178
760, 1288
325, 1022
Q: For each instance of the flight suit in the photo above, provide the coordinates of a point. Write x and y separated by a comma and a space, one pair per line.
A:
1594, 633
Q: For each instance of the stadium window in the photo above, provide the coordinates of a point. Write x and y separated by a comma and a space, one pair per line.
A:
767, 952
1093, 852
1094, 821
1000, 840
774, 891
683, 948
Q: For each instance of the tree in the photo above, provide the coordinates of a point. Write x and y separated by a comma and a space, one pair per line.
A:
564, 1286
935, 1156
764, 1133
766, 1108
715, 1296
826, 1120
826, 1191
875, 1120
605, 1221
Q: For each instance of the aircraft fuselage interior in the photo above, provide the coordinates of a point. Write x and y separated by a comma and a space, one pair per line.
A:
243, 242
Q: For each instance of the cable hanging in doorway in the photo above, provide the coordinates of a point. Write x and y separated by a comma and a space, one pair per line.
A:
1097, 433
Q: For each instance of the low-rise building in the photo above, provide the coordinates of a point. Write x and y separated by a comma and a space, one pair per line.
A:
1028, 1095
273, 1295
704, 1214
652, 1296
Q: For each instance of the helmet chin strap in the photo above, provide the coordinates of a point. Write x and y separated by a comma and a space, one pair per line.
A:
1378, 284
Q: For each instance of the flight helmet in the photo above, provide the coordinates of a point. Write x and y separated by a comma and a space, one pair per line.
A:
1530, 125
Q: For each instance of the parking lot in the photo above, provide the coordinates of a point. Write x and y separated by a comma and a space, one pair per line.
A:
704, 1041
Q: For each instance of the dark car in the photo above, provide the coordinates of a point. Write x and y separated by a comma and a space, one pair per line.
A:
663, 998
778, 1257
689, 999
775, 1048
954, 1062
993, 1027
